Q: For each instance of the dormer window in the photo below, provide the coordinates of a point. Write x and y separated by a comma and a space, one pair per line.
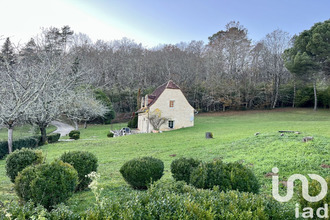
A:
171, 103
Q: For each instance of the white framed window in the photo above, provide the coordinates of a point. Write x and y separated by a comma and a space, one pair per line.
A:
171, 124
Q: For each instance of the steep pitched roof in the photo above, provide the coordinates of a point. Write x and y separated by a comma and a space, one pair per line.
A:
155, 95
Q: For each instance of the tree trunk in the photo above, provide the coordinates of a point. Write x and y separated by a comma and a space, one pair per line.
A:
85, 124
43, 134
10, 139
76, 125
315, 95
294, 94
277, 83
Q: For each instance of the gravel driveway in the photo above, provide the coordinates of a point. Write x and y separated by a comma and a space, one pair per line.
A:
62, 128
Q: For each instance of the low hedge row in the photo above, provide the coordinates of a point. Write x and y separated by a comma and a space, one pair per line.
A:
171, 200
206, 175
27, 142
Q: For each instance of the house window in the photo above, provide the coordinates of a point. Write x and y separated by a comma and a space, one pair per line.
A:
171, 103
171, 124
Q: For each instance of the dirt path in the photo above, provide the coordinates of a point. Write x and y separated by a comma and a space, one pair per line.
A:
62, 128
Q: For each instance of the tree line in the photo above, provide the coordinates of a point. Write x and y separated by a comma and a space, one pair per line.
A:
230, 71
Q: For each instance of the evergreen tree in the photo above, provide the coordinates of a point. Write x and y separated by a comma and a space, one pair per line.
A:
309, 58
7, 53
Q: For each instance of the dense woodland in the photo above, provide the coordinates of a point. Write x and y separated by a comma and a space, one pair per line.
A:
230, 71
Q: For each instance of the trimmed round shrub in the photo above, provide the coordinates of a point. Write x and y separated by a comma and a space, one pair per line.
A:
242, 178
74, 134
208, 175
84, 162
47, 184
182, 167
20, 159
110, 134
140, 172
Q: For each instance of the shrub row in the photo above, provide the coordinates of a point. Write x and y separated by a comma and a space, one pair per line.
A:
172, 200
206, 175
28, 142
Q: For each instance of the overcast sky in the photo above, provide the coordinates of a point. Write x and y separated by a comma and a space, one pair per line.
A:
153, 22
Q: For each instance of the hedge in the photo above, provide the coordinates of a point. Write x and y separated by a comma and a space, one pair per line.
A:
27, 142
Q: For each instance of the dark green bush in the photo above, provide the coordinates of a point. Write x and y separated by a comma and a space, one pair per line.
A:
28, 142
189, 203
133, 123
232, 176
208, 175
110, 134
140, 172
47, 184
182, 167
242, 178
20, 159
74, 134
52, 138
84, 162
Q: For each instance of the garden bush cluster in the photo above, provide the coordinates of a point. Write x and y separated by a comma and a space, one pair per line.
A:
49, 184
171, 200
206, 175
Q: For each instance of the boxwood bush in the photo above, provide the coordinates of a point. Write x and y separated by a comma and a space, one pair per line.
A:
182, 167
20, 159
84, 162
74, 134
52, 138
110, 134
232, 176
242, 178
140, 172
47, 184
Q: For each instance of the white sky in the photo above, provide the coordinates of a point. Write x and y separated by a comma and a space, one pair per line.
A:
154, 22
23, 19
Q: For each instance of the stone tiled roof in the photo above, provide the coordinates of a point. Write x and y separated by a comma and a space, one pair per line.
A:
155, 95
158, 91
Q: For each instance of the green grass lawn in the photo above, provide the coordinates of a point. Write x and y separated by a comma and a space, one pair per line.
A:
234, 140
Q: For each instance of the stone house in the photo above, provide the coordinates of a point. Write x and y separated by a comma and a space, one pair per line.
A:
167, 103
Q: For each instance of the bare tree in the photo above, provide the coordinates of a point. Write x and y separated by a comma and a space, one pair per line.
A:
81, 105
20, 86
275, 43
